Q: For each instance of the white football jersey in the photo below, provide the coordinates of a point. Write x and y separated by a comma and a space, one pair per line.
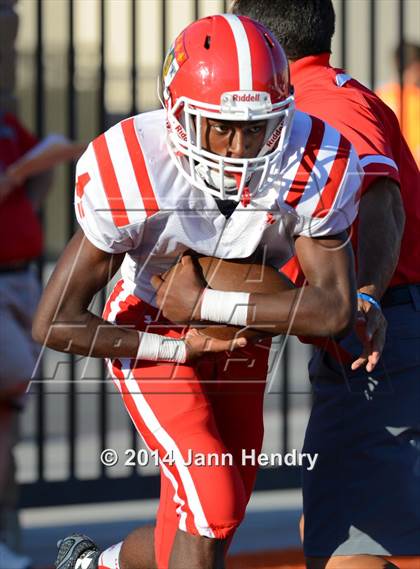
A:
130, 198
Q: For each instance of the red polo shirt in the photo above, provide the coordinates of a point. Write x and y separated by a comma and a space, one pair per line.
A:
20, 229
373, 129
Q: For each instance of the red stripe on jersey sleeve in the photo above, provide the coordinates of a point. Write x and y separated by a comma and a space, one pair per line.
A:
137, 159
81, 210
332, 187
82, 180
110, 182
309, 157
81, 183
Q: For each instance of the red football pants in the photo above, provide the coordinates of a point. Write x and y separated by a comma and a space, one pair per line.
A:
209, 412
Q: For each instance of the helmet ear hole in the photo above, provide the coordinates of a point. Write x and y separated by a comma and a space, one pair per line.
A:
207, 42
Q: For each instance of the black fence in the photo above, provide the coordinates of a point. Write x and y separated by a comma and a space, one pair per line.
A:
41, 491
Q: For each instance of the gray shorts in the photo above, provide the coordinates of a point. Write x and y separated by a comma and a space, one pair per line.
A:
19, 296
363, 496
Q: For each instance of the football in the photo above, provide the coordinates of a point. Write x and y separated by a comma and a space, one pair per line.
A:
242, 275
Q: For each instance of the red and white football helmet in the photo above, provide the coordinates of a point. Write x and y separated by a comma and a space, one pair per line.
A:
226, 67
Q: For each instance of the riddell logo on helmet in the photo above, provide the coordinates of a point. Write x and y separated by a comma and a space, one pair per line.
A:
181, 132
274, 137
246, 98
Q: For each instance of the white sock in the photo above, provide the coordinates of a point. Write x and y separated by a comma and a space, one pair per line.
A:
109, 559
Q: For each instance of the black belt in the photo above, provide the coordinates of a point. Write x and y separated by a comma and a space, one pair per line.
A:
398, 295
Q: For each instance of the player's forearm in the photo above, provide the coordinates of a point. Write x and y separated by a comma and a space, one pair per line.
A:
86, 335
381, 226
309, 311
326, 307
91, 336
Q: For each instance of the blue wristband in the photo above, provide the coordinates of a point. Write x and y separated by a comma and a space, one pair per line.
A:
370, 299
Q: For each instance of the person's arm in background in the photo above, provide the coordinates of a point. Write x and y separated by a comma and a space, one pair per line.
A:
50, 152
375, 134
34, 168
381, 226
381, 208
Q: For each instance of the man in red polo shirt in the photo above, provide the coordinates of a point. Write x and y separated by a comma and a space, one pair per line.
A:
24, 180
361, 502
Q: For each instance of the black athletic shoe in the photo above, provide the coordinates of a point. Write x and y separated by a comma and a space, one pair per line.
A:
74, 547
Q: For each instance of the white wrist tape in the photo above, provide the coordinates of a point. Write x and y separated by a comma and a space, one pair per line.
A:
228, 307
159, 348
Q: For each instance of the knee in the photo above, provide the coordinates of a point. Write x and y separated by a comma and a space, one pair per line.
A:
220, 517
221, 523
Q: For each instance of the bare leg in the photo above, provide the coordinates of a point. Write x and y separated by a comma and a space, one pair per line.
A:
138, 550
197, 552
350, 562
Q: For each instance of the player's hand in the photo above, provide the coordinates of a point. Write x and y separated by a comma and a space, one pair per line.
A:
371, 328
179, 297
198, 344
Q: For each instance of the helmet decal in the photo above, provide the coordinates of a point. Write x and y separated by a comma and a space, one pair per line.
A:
175, 58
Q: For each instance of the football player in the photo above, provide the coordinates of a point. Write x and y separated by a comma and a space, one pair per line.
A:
226, 167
